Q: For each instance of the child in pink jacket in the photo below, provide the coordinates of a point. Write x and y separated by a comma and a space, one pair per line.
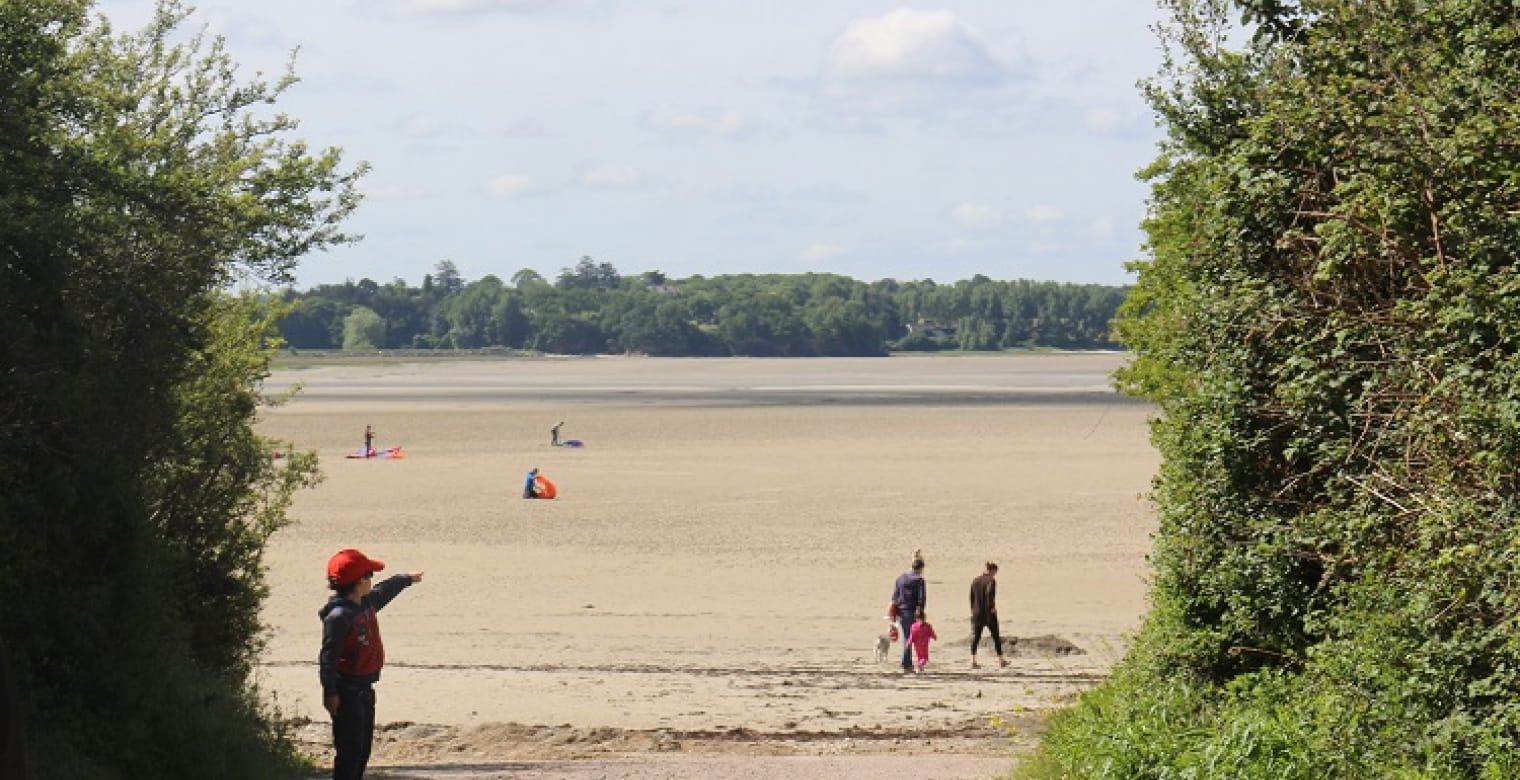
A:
919, 636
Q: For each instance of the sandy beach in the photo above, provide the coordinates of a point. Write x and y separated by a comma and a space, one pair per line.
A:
712, 578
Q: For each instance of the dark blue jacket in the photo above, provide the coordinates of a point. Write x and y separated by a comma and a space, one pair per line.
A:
909, 593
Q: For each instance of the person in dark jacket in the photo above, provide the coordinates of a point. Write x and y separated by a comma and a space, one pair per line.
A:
909, 594
352, 654
984, 613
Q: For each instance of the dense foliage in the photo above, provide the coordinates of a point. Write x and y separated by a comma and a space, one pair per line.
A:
137, 180
591, 308
1329, 323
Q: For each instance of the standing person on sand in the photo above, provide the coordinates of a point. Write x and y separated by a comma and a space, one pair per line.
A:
984, 613
352, 654
369, 442
554, 434
909, 595
919, 638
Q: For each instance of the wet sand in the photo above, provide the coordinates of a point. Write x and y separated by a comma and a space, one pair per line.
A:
716, 569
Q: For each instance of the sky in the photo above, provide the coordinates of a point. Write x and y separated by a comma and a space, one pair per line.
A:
871, 139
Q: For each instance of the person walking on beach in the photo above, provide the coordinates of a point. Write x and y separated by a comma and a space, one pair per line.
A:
909, 595
919, 638
352, 654
554, 434
530, 484
984, 613
369, 442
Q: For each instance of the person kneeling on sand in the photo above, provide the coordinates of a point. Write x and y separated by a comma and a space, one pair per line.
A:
530, 484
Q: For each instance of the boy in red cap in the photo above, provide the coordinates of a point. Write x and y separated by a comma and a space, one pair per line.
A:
352, 654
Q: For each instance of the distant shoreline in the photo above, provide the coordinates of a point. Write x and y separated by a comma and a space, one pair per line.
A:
1042, 378
295, 359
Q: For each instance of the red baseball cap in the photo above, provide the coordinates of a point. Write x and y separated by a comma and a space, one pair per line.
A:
349, 566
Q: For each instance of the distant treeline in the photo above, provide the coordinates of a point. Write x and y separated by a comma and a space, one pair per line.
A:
592, 309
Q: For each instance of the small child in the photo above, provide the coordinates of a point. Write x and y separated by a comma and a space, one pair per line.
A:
352, 654
919, 636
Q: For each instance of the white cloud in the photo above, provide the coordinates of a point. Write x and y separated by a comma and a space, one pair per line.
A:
1129, 122
1102, 119
423, 126
527, 128
1102, 228
387, 192
610, 177
817, 253
909, 44
258, 32
510, 185
729, 122
921, 65
668, 120
1042, 247
962, 246
881, 131
977, 215
1043, 214
489, 6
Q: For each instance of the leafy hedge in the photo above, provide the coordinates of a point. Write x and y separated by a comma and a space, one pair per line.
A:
1328, 322
139, 180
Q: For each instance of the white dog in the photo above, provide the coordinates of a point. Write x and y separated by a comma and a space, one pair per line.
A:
884, 642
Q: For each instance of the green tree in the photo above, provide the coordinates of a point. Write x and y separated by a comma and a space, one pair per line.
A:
525, 277
406, 312
570, 334
363, 330
1328, 325
763, 321
654, 323
313, 322
772, 314
841, 326
137, 179
589, 275
470, 314
509, 323
446, 279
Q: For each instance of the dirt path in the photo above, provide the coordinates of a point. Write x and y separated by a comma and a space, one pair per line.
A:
953, 746
728, 767
421, 752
